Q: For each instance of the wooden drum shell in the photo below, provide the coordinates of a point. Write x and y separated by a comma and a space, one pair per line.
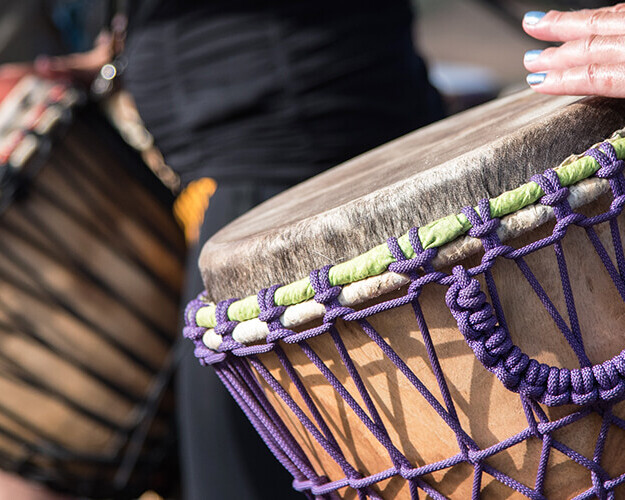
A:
91, 266
486, 409
283, 239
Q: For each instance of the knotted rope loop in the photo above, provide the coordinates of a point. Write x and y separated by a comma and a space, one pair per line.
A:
611, 167
494, 348
565, 221
484, 226
421, 259
491, 255
223, 324
556, 195
269, 311
191, 329
207, 356
325, 293
195, 333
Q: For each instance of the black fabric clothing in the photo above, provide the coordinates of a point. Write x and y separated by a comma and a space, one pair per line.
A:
221, 456
261, 95
277, 89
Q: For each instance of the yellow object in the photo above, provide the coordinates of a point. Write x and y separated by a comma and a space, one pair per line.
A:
191, 204
150, 495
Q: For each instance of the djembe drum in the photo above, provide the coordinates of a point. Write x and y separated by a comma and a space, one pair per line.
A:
91, 263
476, 356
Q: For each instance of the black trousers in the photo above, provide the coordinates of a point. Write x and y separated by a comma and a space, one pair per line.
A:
221, 456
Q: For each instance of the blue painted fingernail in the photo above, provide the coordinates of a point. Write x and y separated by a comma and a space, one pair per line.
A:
536, 78
530, 55
533, 16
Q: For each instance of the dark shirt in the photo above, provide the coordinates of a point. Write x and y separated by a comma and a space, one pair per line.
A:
278, 90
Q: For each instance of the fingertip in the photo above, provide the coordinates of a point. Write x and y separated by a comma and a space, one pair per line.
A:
533, 17
532, 55
529, 59
534, 79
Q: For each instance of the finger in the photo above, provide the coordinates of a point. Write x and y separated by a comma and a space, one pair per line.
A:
594, 79
556, 26
594, 49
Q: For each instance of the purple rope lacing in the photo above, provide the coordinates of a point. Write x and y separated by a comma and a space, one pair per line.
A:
483, 325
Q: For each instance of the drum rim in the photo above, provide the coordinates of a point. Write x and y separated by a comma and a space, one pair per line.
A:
369, 270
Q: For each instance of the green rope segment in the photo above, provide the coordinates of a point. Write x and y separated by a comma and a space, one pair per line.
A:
433, 235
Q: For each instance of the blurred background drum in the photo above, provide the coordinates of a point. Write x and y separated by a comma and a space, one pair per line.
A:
91, 264
439, 363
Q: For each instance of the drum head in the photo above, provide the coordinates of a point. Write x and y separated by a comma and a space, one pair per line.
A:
411, 181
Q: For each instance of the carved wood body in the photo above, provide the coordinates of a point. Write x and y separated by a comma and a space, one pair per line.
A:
428, 174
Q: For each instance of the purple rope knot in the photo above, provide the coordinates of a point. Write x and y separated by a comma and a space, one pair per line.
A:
611, 170
277, 334
556, 195
533, 378
558, 384
224, 325
269, 311
611, 385
491, 255
484, 226
421, 259
611, 166
192, 308
617, 204
207, 356
193, 332
606, 157
191, 329
564, 221
414, 290
484, 229
407, 266
584, 386
335, 313
469, 306
325, 293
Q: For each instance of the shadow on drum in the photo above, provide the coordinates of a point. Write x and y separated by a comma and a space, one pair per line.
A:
478, 396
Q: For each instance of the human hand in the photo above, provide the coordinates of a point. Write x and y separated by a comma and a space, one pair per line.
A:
79, 67
82, 67
591, 61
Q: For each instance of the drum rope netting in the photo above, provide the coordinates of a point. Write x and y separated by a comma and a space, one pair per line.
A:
595, 389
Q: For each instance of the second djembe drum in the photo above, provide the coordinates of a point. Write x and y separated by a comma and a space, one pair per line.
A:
91, 264
388, 343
